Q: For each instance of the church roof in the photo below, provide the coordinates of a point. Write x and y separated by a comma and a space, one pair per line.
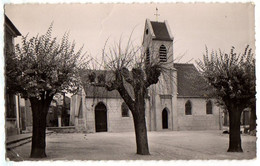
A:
160, 31
190, 82
101, 92
94, 91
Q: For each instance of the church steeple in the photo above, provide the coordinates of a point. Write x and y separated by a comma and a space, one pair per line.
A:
158, 49
157, 41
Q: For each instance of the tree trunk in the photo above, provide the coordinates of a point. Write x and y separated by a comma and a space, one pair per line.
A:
39, 113
141, 134
137, 107
140, 124
234, 130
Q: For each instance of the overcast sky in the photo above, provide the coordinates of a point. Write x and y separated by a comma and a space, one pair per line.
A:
192, 25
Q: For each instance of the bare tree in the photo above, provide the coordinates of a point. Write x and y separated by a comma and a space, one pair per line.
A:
126, 70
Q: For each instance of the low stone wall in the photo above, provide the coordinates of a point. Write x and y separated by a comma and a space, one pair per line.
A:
64, 129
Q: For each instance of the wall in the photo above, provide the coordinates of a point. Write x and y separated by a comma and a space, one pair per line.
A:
27, 114
115, 121
177, 120
163, 102
199, 120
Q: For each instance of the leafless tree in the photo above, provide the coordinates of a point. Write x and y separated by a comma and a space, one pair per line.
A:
127, 70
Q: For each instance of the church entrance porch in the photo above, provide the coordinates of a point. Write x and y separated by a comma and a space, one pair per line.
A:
165, 119
101, 117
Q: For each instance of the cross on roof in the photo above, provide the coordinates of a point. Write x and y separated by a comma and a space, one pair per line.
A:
157, 14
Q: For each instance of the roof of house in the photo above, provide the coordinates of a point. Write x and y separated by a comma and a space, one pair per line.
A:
160, 30
190, 82
92, 91
11, 26
100, 92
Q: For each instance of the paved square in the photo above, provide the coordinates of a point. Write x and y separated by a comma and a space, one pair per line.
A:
165, 145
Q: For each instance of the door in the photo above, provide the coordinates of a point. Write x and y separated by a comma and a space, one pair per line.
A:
165, 119
101, 117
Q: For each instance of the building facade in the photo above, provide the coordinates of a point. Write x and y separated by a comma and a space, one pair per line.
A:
13, 103
179, 101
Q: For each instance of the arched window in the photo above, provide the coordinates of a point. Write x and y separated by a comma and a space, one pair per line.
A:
147, 60
125, 110
188, 108
209, 107
163, 53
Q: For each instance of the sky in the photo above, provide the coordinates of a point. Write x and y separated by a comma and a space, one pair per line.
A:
194, 26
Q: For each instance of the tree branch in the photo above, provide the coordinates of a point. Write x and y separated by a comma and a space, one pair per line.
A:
128, 77
152, 75
110, 86
127, 98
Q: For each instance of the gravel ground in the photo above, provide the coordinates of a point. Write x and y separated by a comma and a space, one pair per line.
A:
165, 145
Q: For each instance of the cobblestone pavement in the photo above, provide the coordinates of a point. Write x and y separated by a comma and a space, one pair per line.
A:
164, 145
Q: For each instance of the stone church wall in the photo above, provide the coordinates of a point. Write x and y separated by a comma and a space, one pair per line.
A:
199, 120
161, 104
115, 121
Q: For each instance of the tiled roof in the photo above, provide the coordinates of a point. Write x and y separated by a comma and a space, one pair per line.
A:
160, 31
93, 91
189, 81
100, 92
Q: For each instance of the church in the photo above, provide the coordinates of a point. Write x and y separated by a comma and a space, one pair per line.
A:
179, 101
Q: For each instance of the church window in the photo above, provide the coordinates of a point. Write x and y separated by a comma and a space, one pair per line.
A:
147, 57
209, 107
163, 53
125, 110
188, 108
146, 31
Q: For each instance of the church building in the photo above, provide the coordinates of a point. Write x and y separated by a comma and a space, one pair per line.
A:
179, 101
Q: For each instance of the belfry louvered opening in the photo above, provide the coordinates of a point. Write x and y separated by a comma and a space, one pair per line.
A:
163, 53
147, 57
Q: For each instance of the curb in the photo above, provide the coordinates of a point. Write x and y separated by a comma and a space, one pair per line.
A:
17, 140
21, 141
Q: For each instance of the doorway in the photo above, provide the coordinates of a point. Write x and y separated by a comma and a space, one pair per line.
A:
101, 117
165, 119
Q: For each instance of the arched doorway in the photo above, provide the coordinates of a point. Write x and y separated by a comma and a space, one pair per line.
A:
100, 117
165, 119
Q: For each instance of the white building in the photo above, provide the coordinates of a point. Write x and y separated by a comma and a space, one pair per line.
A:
177, 102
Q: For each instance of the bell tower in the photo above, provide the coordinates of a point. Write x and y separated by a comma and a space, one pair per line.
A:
158, 48
158, 42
